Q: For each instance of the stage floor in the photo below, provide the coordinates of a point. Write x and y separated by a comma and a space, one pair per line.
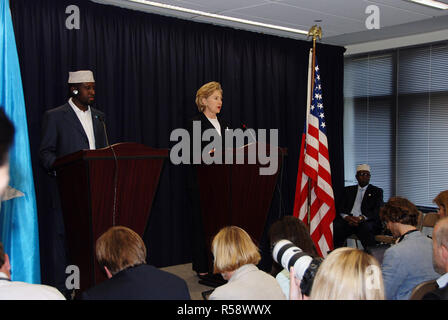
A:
185, 272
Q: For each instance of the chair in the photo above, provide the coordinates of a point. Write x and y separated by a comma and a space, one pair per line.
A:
430, 219
355, 238
428, 222
387, 239
423, 288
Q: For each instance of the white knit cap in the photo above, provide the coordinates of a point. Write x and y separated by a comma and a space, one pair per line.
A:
81, 76
363, 167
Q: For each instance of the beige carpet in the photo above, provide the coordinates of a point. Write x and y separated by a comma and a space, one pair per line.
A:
186, 272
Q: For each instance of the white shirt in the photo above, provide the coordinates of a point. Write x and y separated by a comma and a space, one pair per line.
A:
85, 117
216, 124
356, 210
443, 280
16, 290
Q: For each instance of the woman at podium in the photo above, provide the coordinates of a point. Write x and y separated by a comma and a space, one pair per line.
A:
209, 104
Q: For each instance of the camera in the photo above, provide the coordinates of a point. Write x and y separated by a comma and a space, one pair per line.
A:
305, 266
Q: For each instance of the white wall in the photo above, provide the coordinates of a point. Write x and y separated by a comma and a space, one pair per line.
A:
397, 42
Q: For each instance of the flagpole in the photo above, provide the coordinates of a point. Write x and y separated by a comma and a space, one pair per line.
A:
315, 32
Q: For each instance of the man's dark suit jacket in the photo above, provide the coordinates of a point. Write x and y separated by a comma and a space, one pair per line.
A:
370, 205
143, 282
437, 294
62, 134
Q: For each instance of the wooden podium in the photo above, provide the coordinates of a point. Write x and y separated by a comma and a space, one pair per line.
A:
88, 181
236, 194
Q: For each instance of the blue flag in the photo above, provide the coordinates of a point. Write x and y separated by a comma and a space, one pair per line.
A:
18, 216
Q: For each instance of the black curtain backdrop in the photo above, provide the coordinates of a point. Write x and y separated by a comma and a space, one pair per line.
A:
147, 70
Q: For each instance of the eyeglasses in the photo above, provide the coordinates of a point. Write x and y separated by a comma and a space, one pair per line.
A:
364, 174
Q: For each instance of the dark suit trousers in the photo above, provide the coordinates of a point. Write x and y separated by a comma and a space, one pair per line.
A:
365, 231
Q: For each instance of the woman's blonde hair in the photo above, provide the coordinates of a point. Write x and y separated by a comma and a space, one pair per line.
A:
206, 91
348, 274
232, 248
442, 200
120, 248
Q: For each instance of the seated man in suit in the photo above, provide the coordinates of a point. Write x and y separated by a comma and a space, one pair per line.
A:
122, 254
440, 260
358, 211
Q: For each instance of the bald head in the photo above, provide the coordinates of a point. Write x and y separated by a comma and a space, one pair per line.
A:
441, 232
440, 246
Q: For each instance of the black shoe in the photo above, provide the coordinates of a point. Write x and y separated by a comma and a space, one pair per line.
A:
212, 280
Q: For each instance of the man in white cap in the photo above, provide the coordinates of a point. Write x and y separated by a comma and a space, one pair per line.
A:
358, 211
66, 129
75, 125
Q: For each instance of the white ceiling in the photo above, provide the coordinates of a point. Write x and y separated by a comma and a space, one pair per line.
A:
342, 21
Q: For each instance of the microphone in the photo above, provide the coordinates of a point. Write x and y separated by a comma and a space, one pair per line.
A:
101, 119
243, 125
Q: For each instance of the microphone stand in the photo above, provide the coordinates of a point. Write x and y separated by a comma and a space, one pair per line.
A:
114, 210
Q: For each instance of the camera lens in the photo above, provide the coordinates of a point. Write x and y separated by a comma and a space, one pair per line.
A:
288, 255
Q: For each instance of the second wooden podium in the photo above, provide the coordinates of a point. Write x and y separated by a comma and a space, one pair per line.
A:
102, 188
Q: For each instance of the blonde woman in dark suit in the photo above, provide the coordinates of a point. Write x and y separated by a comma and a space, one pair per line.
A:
209, 104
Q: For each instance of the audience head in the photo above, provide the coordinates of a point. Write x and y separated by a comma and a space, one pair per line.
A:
399, 211
292, 229
5, 266
442, 202
205, 92
120, 248
348, 274
363, 175
6, 139
233, 248
440, 246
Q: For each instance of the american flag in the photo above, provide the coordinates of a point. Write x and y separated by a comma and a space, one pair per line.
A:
314, 175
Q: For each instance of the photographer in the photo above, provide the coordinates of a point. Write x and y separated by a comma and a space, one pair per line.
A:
294, 230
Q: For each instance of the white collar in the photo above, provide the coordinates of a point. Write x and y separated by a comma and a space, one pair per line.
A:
362, 188
4, 275
443, 280
76, 109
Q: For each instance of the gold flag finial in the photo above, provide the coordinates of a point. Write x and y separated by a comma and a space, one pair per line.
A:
315, 32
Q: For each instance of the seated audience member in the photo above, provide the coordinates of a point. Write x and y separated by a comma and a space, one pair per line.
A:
292, 229
6, 139
409, 261
440, 260
442, 202
236, 257
122, 254
358, 211
16, 290
346, 274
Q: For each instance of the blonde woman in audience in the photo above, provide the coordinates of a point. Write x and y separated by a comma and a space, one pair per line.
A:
236, 256
346, 274
442, 202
